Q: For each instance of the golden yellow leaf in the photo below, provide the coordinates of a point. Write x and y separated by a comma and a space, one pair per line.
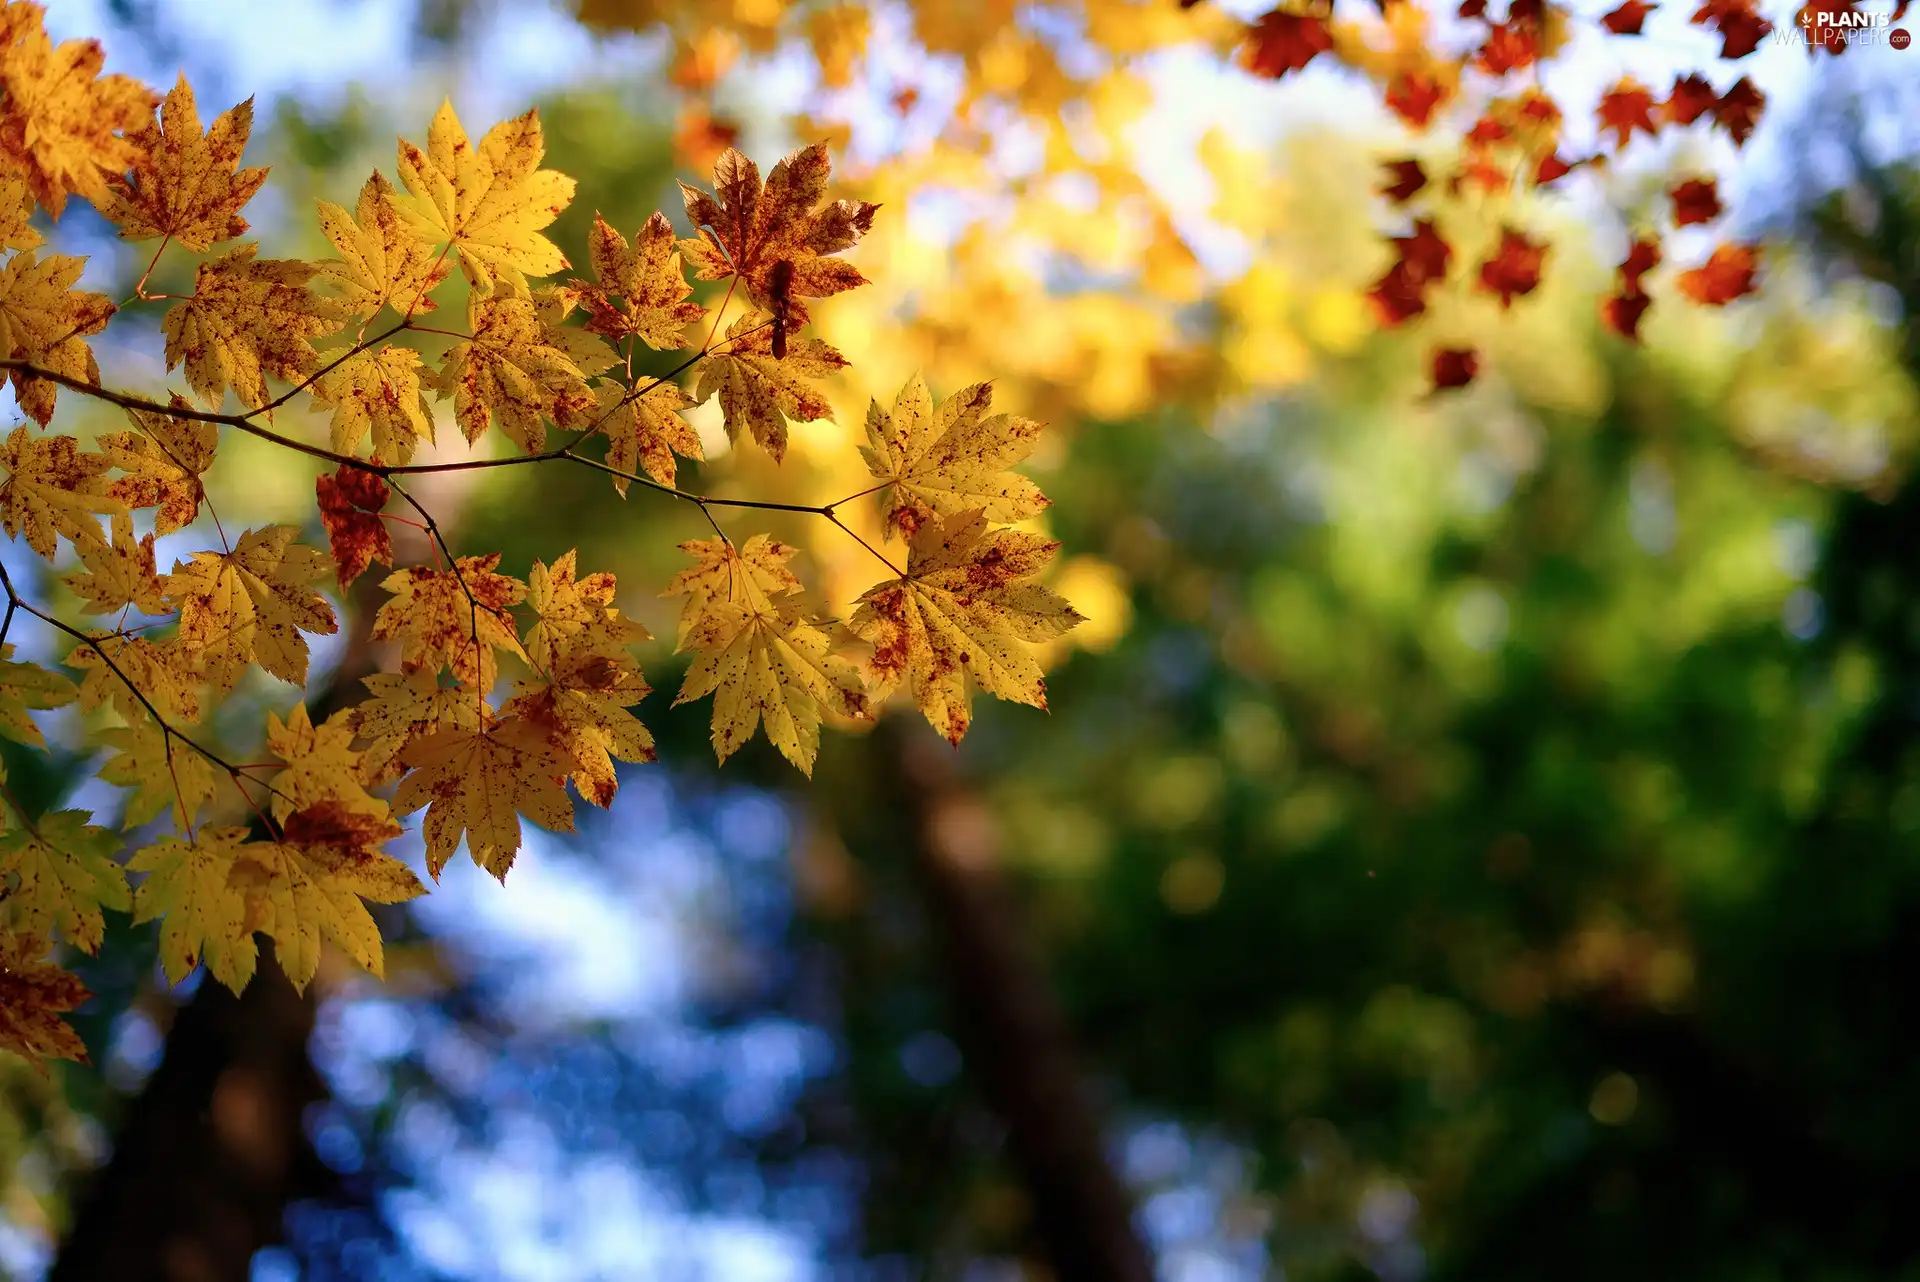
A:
741, 573
479, 782
646, 278
453, 618
758, 393
403, 708
189, 886
383, 262
322, 766
24, 686
53, 487
44, 320
750, 229
376, 390
942, 462
511, 373
250, 605
60, 119
61, 872
490, 201
185, 184
644, 432
163, 461
580, 703
575, 614
119, 574
161, 671
838, 34
33, 994
16, 207
163, 772
248, 319
961, 610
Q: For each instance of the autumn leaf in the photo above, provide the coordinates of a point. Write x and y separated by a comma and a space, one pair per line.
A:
1691, 97
1739, 23
575, 614
162, 672
45, 321
759, 394
1738, 110
1627, 19
189, 887
1414, 97
1515, 267
52, 488
1454, 367
1279, 42
580, 702
26, 686
251, 605
162, 460
63, 126
478, 783
1727, 275
936, 463
725, 571
1405, 178
962, 609
164, 773
34, 993
1423, 258
321, 765
489, 202
644, 432
647, 280
1622, 313
383, 262
749, 229
16, 212
402, 708
509, 373
378, 391
1624, 108
186, 185
1696, 200
350, 503
452, 618
119, 574
63, 873
248, 319
1509, 47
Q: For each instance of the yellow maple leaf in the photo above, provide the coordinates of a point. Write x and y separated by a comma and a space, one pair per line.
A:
119, 574
402, 708
759, 393
162, 672
572, 613
185, 184
644, 432
962, 610
726, 571
646, 278
24, 686
61, 121
378, 391
53, 487
248, 318
308, 887
163, 460
453, 618
250, 605
509, 372
479, 783
749, 229
45, 321
16, 208
61, 872
163, 772
383, 262
765, 662
33, 994
490, 201
189, 886
581, 704
941, 462
322, 766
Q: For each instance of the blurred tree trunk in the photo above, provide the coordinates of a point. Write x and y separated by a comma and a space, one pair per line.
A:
213, 1148
1012, 1033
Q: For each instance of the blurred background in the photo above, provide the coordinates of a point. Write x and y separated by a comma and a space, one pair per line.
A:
1473, 839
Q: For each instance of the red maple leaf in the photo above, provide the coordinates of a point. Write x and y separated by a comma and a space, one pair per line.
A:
1696, 200
1627, 107
1727, 275
1414, 96
1488, 176
1486, 131
1642, 257
1622, 313
1509, 47
1423, 258
1281, 42
350, 503
1739, 23
1407, 177
1626, 20
1739, 110
1454, 367
1515, 269
1692, 98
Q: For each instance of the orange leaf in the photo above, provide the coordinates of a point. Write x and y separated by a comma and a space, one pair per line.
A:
1739, 110
1724, 277
1692, 97
1515, 269
1627, 107
1626, 20
1642, 257
1407, 178
1414, 96
1622, 314
1696, 200
1281, 42
1454, 367
1739, 23
1400, 294
350, 503
1509, 47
